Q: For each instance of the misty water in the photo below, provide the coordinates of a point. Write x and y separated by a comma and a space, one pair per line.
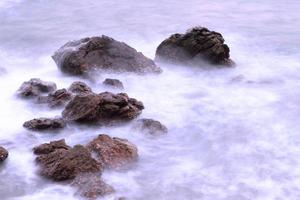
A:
233, 132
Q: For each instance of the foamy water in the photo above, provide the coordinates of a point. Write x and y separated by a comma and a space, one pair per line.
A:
233, 133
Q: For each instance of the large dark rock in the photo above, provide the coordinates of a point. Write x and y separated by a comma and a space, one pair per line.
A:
91, 186
35, 87
79, 87
113, 83
50, 147
104, 106
58, 98
101, 53
113, 152
62, 163
44, 124
150, 126
3, 154
195, 46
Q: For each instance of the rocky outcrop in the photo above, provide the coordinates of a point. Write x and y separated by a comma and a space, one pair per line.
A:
113, 152
60, 162
45, 124
79, 87
103, 106
3, 154
35, 87
113, 83
150, 127
58, 98
101, 53
91, 186
195, 46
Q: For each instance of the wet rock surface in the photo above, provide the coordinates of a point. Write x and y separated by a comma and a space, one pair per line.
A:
3, 154
79, 87
101, 53
50, 147
45, 124
104, 106
91, 186
58, 98
114, 152
35, 87
113, 83
195, 46
61, 164
150, 127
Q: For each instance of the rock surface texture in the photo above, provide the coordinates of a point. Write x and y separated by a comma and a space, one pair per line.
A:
150, 126
113, 152
101, 53
195, 46
3, 154
35, 87
44, 124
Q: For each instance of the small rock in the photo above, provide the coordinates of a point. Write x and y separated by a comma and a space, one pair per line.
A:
34, 87
150, 126
195, 46
91, 186
50, 147
113, 152
44, 123
3, 154
58, 98
113, 83
79, 87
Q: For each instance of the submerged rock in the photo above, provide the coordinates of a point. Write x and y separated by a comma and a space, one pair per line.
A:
91, 186
44, 124
195, 46
79, 87
58, 98
3, 154
62, 163
104, 106
113, 152
113, 83
35, 87
101, 53
150, 126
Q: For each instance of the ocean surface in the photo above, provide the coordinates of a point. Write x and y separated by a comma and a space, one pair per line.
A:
234, 133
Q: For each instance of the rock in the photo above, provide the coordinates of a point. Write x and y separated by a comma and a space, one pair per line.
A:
3, 154
113, 152
101, 53
44, 123
65, 164
195, 46
34, 87
79, 87
91, 186
150, 126
50, 147
113, 83
104, 106
58, 98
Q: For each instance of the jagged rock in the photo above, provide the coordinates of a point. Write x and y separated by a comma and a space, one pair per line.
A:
34, 87
150, 126
64, 164
101, 53
44, 123
195, 46
104, 106
113, 152
58, 98
79, 87
50, 147
113, 83
3, 154
91, 186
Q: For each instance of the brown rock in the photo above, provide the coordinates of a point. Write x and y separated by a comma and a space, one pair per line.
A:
150, 126
113, 152
79, 87
113, 83
58, 98
44, 123
195, 46
34, 87
50, 147
101, 53
3, 154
